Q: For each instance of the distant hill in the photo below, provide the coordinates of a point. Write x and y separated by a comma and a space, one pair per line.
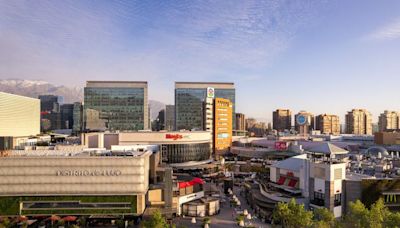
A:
31, 88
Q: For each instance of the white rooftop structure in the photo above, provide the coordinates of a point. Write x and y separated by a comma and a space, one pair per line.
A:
327, 148
292, 163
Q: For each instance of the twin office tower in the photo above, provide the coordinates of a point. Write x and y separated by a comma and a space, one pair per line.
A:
123, 105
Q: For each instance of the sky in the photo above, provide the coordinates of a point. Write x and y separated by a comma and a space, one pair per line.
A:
319, 56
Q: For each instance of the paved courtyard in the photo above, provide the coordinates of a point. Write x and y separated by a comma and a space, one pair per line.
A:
226, 217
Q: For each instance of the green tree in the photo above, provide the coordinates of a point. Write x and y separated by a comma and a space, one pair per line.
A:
323, 218
357, 215
392, 220
293, 215
156, 221
378, 213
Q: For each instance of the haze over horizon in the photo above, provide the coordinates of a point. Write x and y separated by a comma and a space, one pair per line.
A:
319, 56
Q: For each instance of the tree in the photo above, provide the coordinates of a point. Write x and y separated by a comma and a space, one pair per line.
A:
323, 218
156, 221
293, 215
357, 215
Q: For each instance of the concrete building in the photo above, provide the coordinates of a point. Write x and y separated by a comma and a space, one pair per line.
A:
116, 105
19, 116
109, 183
240, 122
316, 179
169, 117
387, 138
328, 124
190, 98
222, 126
389, 121
304, 122
359, 122
282, 119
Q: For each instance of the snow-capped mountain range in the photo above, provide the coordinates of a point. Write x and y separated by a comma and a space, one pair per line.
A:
33, 88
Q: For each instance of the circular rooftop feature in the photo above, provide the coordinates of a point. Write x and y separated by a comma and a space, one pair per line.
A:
375, 150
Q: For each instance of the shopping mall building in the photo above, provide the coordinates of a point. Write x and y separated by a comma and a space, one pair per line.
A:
87, 183
176, 147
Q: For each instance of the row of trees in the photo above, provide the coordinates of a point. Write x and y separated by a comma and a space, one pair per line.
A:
291, 215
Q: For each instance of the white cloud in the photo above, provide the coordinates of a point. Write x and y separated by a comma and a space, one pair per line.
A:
69, 42
388, 32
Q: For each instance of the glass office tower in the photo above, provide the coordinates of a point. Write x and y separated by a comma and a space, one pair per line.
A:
190, 100
115, 106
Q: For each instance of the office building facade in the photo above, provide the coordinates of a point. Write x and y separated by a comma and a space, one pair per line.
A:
190, 98
19, 116
77, 117
328, 124
116, 105
222, 126
359, 122
169, 117
282, 119
389, 121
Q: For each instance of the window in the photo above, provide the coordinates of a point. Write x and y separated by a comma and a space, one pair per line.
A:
338, 174
319, 199
338, 199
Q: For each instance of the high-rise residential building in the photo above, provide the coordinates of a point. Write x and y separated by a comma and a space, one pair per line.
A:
359, 122
282, 119
250, 122
19, 116
304, 122
77, 117
222, 126
328, 124
169, 117
240, 122
389, 120
190, 98
116, 106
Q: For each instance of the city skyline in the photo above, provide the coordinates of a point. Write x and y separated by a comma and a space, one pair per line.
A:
325, 57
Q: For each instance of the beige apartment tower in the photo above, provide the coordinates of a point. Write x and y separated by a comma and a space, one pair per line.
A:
328, 124
240, 122
389, 121
282, 119
359, 122
19, 116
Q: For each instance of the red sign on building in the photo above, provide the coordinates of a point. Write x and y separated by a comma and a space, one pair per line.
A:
173, 136
281, 146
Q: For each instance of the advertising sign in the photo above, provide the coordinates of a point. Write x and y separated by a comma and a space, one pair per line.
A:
210, 92
280, 146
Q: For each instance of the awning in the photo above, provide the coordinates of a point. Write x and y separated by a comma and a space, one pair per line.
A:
292, 183
281, 180
190, 183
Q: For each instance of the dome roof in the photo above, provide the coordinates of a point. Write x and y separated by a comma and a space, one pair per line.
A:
375, 150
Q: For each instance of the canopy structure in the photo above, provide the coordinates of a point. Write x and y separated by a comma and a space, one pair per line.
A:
190, 183
327, 149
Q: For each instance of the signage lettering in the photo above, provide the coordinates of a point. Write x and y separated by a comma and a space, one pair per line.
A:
176, 136
96, 172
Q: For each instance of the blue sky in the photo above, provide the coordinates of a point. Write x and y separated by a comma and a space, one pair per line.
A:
319, 56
